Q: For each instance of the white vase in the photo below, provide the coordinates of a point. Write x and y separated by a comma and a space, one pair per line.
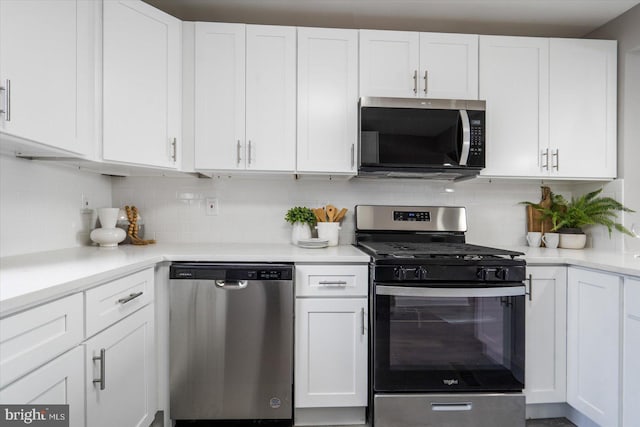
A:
108, 235
108, 217
300, 231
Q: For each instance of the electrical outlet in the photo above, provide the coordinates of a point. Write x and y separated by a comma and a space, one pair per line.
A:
84, 203
211, 207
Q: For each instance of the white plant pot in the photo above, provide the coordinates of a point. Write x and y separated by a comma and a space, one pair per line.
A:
573, 241
300, 231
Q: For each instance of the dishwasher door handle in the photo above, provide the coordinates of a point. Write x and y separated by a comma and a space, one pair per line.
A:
232, 284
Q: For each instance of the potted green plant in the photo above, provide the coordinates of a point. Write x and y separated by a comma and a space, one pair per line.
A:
568, 217
301, 218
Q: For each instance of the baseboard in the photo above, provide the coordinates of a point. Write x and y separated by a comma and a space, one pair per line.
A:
330, 416
557, 410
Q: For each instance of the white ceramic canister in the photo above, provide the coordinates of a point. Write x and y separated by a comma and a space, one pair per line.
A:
329, 231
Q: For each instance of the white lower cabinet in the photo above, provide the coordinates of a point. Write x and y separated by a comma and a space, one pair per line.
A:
58, 382
120, 373
546, 335
593, 344
631, 357
331, 335
331, 352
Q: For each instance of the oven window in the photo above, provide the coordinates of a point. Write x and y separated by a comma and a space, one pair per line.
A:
449, 343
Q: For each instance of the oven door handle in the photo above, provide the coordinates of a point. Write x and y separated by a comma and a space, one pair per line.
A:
404, 291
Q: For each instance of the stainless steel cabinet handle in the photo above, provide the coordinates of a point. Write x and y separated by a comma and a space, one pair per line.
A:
425, 82
101, 358
174, 149
556, 154
333, 282
362, 316
415, 82
249, 154
453, 406
545, 155
530, 293
353, 155
130, 297
238, 153
7, 100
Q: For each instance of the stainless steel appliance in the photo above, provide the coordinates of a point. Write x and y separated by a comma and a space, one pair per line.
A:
448, 321
231, 341
421, 138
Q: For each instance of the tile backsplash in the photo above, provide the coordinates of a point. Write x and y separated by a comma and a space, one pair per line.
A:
41, 205
252, 208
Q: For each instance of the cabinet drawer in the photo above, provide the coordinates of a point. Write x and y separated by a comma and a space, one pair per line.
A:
332, 280
115, 300
32, 338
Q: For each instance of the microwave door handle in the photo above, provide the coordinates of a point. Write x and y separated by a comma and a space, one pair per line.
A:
466, 138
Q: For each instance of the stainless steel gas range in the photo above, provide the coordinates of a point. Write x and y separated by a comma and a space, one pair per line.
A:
447, 347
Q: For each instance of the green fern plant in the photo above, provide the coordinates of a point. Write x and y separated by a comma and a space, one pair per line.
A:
588, 209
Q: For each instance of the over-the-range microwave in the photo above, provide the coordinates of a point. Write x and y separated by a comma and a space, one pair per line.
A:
421, 138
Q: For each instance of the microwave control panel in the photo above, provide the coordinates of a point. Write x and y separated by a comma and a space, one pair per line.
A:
476, 150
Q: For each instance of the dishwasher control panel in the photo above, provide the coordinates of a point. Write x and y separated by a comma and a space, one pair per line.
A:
207, 271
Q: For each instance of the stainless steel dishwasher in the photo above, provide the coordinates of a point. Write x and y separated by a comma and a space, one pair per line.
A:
231, 341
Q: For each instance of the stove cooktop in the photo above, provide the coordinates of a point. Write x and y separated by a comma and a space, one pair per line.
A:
431, 250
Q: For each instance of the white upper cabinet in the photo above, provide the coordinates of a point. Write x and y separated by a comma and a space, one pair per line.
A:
327, 100
271, 98
410, 64
514, 81
551, 107
582, 108
219, 96
449, 65
46, 72
389, 62
245, 93
141, 84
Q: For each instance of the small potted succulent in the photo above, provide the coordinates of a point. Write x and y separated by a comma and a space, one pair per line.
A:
568, 217
302, 218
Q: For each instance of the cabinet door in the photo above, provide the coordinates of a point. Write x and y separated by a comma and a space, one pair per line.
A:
631, 358
514, 80
448, 66
44, 61
271, 98
331, 352
593, 344
58, 382
389, 63
582, 108
327, 100
546, 335
219, 96
128, 397
141, 84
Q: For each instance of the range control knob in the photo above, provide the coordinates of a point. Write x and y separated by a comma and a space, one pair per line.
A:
492, 274
409, 273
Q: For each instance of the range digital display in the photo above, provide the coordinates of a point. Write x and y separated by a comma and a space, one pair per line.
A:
412, 216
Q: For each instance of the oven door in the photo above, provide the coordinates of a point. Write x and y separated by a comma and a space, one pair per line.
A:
449, 338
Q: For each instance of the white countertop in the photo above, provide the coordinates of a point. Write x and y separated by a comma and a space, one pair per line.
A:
31, 279
614, 262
